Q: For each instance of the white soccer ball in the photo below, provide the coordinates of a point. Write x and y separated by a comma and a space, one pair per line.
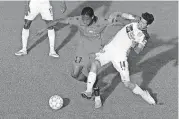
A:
56, 102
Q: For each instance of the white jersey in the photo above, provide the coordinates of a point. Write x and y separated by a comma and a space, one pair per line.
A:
123, 40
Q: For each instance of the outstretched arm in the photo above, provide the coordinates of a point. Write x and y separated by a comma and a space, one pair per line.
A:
128, 16
52, 24
70, 20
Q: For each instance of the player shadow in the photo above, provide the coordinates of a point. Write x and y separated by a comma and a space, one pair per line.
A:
149, 67
68, 38
76, 12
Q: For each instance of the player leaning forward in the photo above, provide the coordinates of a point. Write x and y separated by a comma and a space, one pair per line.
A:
133, 35
33, 8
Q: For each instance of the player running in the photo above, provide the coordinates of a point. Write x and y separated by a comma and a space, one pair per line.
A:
133, 35
33, 8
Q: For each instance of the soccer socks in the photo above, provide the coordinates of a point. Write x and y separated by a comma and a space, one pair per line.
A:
91, 81
25, 36
137, 90
51, 36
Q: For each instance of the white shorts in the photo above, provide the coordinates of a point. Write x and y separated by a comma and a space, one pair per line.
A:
45, 12
121, 65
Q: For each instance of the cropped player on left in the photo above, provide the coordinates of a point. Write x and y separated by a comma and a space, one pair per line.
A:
32, 9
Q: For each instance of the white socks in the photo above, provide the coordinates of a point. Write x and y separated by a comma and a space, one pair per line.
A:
25, 36
137, 90
51, 36
91, 81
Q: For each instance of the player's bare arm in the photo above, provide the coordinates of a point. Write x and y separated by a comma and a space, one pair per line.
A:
140, 46
142, 43
115, 15
61, 20
68, 20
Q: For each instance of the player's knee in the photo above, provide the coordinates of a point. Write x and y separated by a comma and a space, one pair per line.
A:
77, 68
75, 72
27, 24
50, 28
74, 75
48, 22
92, 57
95, 66
82, 78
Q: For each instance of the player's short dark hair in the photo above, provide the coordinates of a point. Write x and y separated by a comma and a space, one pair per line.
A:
148, 17
88, 11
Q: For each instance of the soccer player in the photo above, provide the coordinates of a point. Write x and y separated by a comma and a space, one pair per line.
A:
132, 36
33, 8
90, 42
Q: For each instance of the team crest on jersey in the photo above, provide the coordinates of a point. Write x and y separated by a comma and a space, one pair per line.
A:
129, 28
130, 32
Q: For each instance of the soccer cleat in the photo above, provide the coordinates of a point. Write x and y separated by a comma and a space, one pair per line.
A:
87, 95
53, 54
98, 102
147, 97
21, 52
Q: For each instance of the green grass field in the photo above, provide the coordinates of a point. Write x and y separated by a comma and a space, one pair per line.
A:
27, 82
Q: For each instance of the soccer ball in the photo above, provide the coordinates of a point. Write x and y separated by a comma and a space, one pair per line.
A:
56, 102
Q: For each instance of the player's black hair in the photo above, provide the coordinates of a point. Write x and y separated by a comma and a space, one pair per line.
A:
148, 17
89, 12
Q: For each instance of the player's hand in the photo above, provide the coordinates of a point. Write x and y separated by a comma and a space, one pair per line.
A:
63, 7
113, 16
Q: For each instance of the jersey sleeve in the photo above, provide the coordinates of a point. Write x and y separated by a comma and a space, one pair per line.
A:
114, 22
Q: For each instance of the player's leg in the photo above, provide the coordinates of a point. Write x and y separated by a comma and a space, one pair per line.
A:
47, 15
91, 79
25, 31
122, 68
96, 90
77, 67
78, 63
87, 61
101, 59
82, 77
51, 36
